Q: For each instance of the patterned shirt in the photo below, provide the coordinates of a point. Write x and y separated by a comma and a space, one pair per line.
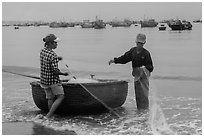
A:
48, 63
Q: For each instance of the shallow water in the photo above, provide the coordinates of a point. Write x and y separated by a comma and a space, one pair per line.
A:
183, 114
176, 83
18, 128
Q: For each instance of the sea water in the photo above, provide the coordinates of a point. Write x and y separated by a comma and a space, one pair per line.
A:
175, 84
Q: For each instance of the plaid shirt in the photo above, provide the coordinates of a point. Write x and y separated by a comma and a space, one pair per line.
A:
48, 63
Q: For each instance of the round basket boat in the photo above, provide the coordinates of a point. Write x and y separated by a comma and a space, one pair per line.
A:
77, 100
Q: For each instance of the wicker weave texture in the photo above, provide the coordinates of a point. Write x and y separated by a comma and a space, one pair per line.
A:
78, 100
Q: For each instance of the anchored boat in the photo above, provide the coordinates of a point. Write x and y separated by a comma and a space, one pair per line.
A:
148, 23
99, 24
162, 26
180, 25
113, 93
125, 23
87, 24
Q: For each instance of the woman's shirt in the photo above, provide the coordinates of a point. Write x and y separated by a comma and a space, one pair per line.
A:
143, 58
48, 63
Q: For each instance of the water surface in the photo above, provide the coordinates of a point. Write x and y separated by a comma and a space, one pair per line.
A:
175, 93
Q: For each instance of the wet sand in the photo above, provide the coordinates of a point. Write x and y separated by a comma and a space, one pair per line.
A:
31, 128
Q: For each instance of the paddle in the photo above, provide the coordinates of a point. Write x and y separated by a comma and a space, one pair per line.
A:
26, 75
99, 100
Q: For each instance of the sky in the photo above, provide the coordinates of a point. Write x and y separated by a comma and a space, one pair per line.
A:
107, 11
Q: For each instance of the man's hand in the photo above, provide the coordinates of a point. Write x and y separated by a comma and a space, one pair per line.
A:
146, 71
60, 58
142, 67
110, 62
66, 74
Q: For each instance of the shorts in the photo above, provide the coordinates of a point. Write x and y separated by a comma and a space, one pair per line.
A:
52, 91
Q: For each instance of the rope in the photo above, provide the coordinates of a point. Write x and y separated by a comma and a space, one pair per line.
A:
106, 106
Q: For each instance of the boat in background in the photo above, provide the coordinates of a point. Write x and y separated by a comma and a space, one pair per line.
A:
187, 25
162, 26
180, 25
58, 25
61, 24
197, 21
70, 24
87, 24
99, 24
125, 23
148, 23
77, 100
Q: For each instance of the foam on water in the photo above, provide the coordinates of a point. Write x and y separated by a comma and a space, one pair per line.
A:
182, 115
105, 126
136, 123
157, 119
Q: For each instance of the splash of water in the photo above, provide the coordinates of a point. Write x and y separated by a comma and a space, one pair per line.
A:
157, 119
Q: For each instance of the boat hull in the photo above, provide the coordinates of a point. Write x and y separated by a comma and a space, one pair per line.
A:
87, 26
178, 25
162, 28
148, 23
77, 100
120, 24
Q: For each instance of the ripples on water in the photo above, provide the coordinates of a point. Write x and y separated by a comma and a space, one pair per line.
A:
176, 109
181, 120
167, 115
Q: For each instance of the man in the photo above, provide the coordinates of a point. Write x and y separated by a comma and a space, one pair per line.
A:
49, 74
142, 66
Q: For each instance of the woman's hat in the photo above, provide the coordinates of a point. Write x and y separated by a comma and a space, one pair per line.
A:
51, 38
141, 38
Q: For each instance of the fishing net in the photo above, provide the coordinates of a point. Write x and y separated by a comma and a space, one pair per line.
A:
157, 119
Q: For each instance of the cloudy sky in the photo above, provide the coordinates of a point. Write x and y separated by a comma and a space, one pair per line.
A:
69, 11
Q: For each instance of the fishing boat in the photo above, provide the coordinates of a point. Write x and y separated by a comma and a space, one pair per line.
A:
71, 24
148, 23
58, 25
180, 25
99, 24
198, 21
162, 26
87, 24
187, 25
176, 25
78, 99
125, 23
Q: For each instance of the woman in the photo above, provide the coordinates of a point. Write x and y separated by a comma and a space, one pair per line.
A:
142, 66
